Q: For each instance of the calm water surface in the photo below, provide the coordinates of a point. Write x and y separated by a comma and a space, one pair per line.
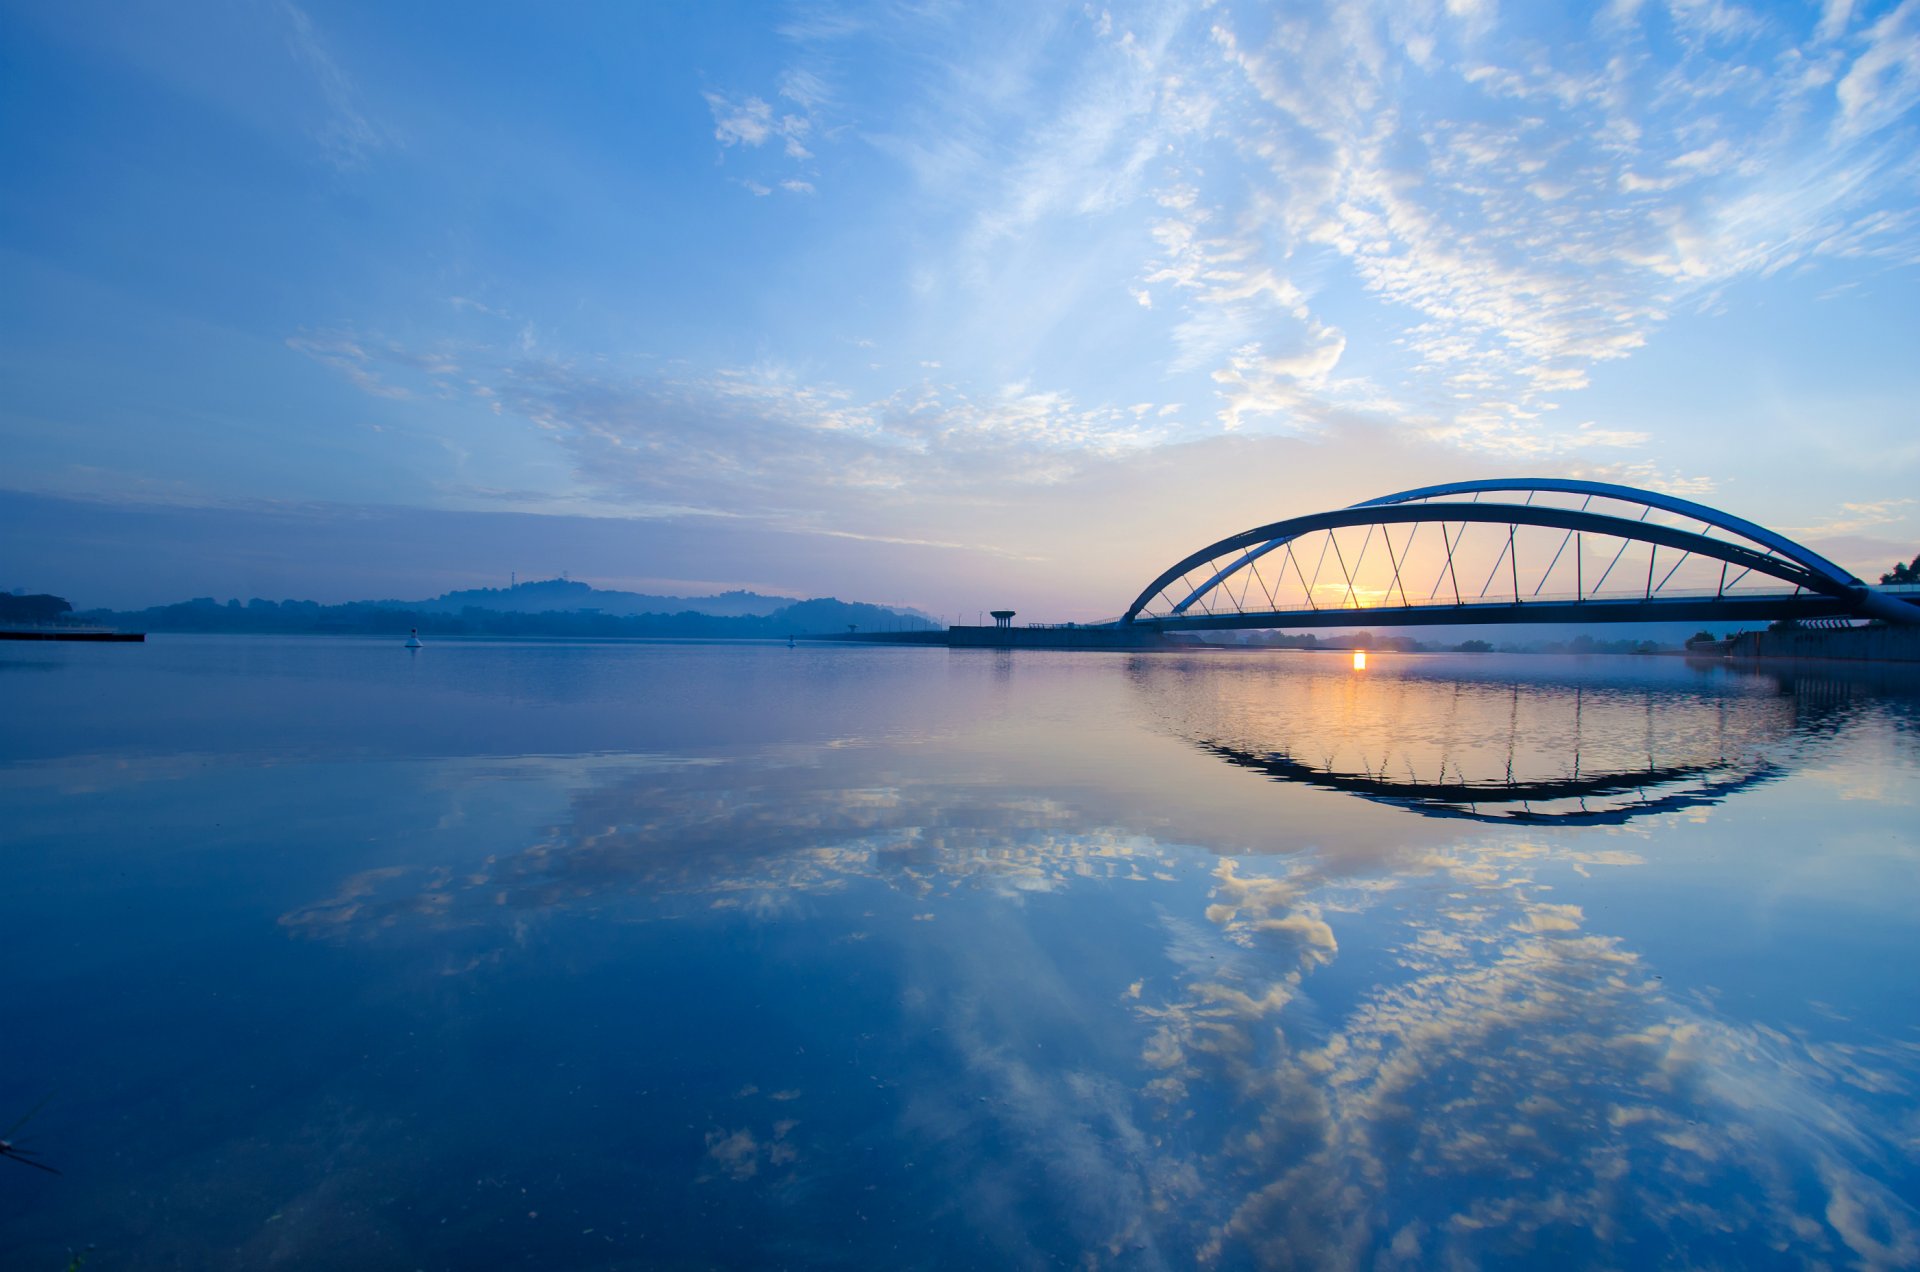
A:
610, 956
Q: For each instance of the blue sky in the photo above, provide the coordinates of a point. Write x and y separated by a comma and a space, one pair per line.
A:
940, 304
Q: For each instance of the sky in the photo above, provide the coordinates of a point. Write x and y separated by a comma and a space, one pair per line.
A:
944, 305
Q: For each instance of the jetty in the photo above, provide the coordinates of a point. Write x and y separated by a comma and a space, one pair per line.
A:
100, 635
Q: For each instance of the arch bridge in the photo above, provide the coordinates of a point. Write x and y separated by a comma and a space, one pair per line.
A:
1512, 550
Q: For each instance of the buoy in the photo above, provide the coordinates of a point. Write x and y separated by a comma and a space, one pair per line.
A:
413, 638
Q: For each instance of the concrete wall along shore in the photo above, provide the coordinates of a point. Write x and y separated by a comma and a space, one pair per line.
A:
1851, 644
970, 637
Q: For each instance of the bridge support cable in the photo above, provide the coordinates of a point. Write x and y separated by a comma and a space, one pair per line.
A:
1394, 561
1556, 560
1300, 574
1313, 588
1497, 563
1441, 577
1246, 584
1254, 569
1616, 560
1668, 576
1350, 601
1513, 557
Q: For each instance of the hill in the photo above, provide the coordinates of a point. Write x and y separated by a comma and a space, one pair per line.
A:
555, 607
566, 596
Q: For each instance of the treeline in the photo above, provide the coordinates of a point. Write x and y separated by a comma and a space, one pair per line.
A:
33, 610
367, 618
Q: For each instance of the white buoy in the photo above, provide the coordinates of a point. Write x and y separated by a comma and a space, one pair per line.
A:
413, 638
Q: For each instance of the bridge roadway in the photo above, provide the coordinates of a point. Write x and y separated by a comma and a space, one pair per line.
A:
1745, 608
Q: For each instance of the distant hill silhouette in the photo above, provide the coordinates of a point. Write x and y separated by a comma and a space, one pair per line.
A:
554, 607
566, 596
32, 610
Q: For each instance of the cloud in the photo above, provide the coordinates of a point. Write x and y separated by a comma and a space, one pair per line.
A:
1549, 227
348, 134
344, 354
758, 438
1883, 83
752, 121
1260, 385
1428, 224
746, 123
1496, 1078
1526, 1080
1853, 518
468, 304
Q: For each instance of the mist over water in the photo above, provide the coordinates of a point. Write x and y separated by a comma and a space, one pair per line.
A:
622, 955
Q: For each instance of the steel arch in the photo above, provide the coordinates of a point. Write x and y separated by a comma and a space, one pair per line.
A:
1776, 543
1831, 589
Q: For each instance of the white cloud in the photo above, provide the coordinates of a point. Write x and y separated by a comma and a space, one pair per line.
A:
1852, 518
747, 123
1421, 216
761, 437
1834, 16
1549, 226
348, 134
1262, 385
1884, 82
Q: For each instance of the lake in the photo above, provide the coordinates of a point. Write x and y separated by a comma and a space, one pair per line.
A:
326, 953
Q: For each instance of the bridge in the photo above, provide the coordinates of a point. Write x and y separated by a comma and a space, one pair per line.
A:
1580, 799
1511, 550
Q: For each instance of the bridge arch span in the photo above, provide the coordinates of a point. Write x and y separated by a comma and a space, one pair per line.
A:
1717, 565
1754, 534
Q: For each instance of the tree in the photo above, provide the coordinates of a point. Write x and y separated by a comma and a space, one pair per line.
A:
32, 609
1906, 573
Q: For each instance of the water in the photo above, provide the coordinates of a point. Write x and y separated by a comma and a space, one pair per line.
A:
619, 956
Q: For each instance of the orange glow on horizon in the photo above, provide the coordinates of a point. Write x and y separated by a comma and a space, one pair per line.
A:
1359, 660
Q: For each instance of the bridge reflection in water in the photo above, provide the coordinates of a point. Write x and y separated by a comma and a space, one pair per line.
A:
1602, 799
1569, 742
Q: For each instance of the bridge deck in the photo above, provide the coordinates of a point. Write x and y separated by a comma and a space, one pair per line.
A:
1716, 609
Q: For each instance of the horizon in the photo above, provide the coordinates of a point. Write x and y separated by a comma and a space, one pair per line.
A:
1430, 638
937, 310
1106, 674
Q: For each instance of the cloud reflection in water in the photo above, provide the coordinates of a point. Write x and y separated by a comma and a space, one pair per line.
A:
1293, 1059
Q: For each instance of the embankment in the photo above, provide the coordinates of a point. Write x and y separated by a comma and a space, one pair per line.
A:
1849, 644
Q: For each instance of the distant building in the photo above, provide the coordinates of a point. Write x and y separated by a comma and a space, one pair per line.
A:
1002, 618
